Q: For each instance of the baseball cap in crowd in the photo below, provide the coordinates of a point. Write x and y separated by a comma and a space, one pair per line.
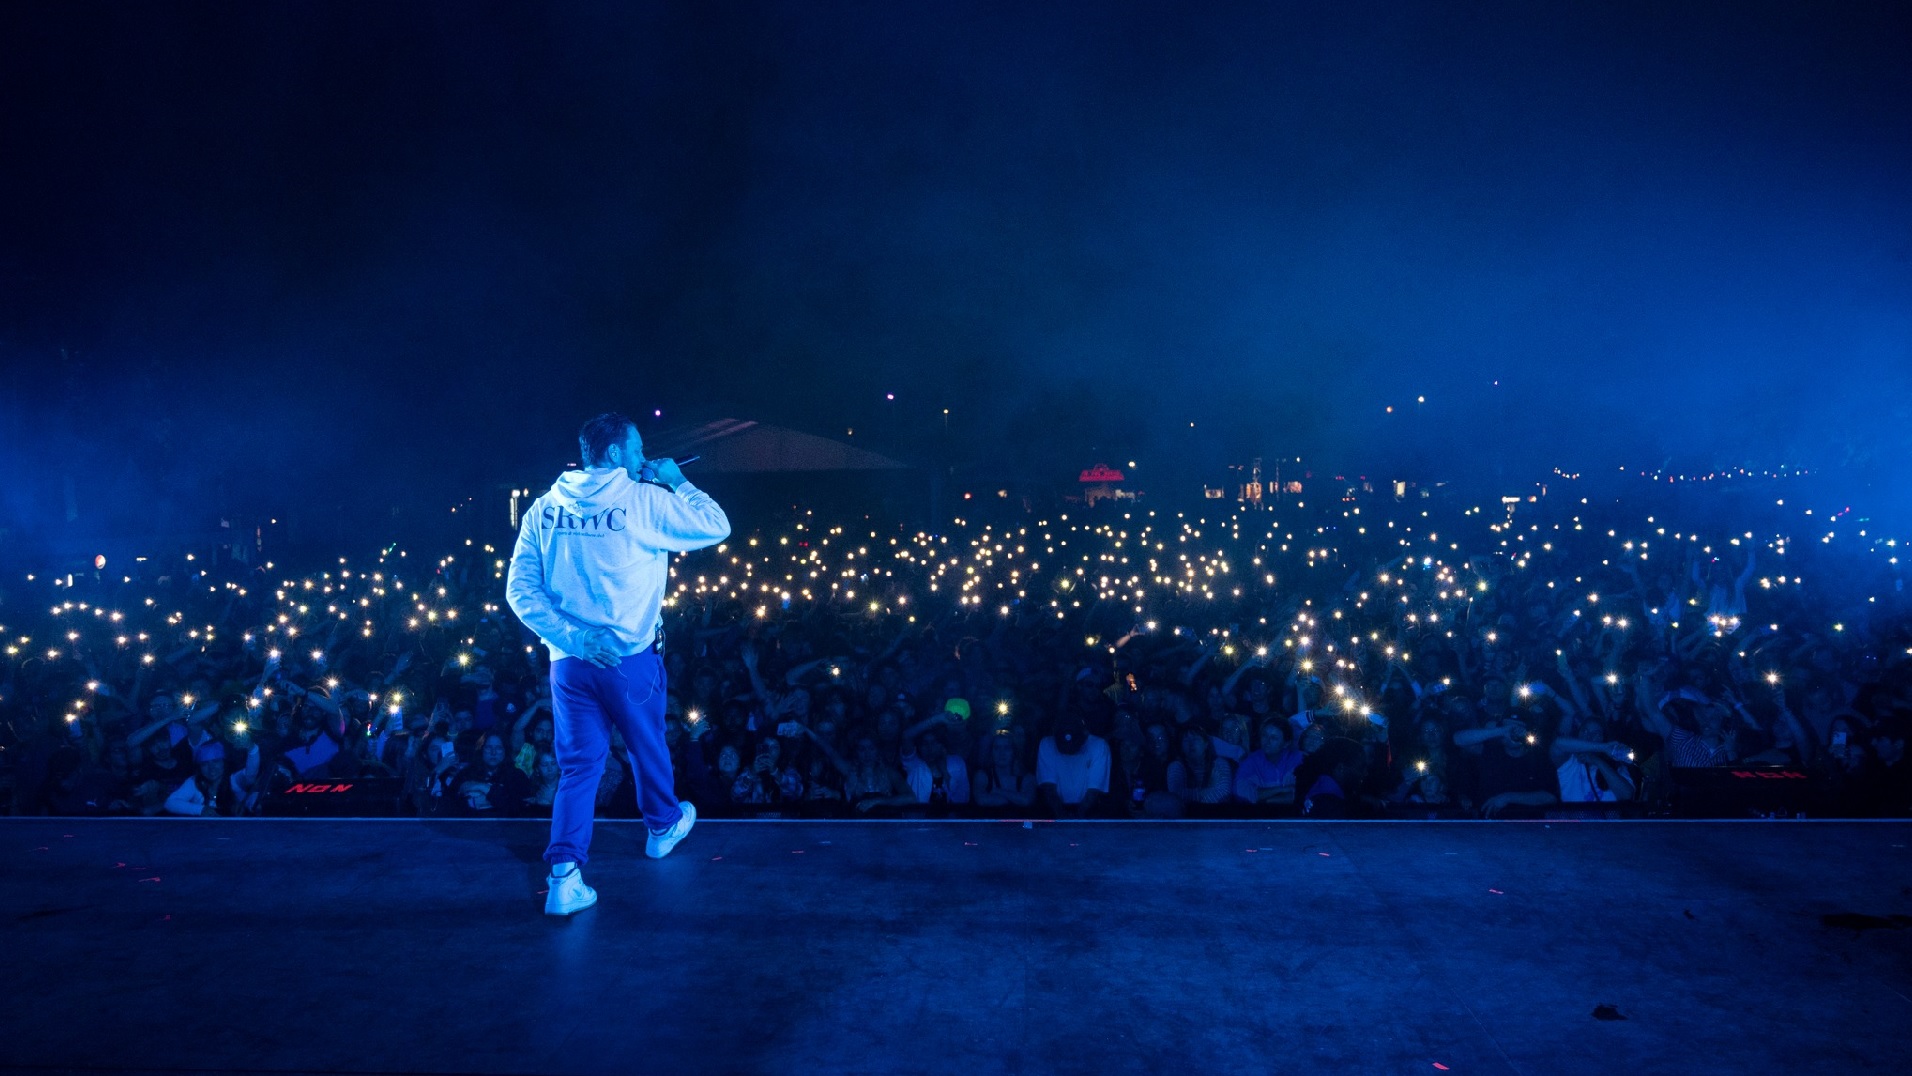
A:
1071, 733
210, 751
959, 707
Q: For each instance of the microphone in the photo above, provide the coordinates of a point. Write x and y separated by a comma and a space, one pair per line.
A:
679, 463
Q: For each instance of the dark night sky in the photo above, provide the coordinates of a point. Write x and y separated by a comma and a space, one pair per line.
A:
288, 246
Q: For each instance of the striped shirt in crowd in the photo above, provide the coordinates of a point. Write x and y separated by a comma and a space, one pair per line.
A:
1688, 750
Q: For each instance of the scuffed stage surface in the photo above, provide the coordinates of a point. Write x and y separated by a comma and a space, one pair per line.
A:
970, 948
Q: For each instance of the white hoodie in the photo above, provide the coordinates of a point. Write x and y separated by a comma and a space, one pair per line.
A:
593, 553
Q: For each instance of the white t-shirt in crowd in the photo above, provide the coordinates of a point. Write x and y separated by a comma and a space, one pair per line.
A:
1578, 784
922, 782
308, 757
1073, 774
187, 800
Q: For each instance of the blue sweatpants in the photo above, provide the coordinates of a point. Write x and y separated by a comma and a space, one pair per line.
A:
585, 702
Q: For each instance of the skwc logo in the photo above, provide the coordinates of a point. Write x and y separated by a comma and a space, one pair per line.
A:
559, 521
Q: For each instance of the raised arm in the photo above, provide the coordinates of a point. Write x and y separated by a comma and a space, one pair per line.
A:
797, 672
843, 766
1650, 713
1574, 689
1471, 737
757, 686
1228, 685
910, 734
678, 521
518, 728
1203, 653
314, 699
1801, 738
894, 645
145, 732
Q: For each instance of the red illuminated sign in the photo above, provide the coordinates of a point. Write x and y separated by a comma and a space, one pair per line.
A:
1769, 775
319, 788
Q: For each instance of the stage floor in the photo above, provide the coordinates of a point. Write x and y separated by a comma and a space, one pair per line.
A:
963, 947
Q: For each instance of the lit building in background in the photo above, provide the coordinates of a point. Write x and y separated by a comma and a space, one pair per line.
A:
1256, 489
1104, 483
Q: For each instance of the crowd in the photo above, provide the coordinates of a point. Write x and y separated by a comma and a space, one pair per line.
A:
1372, 657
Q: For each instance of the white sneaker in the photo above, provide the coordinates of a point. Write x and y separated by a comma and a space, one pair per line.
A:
660, 844
568, 894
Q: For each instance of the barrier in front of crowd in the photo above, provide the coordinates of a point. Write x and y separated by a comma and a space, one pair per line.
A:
356, 797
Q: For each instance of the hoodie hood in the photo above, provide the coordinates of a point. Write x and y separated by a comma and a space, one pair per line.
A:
589, 489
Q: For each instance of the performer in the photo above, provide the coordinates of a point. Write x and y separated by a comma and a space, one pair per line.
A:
589, 575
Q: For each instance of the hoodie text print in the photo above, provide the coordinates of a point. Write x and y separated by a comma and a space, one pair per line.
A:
593, 553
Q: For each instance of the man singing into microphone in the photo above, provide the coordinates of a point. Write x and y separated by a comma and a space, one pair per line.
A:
589, 575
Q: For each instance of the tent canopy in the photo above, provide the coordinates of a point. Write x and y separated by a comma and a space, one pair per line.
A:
739, 446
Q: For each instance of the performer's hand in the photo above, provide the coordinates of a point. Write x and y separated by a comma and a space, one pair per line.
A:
664, 470
599, 651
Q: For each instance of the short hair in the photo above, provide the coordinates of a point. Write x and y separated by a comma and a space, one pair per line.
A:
596, 437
